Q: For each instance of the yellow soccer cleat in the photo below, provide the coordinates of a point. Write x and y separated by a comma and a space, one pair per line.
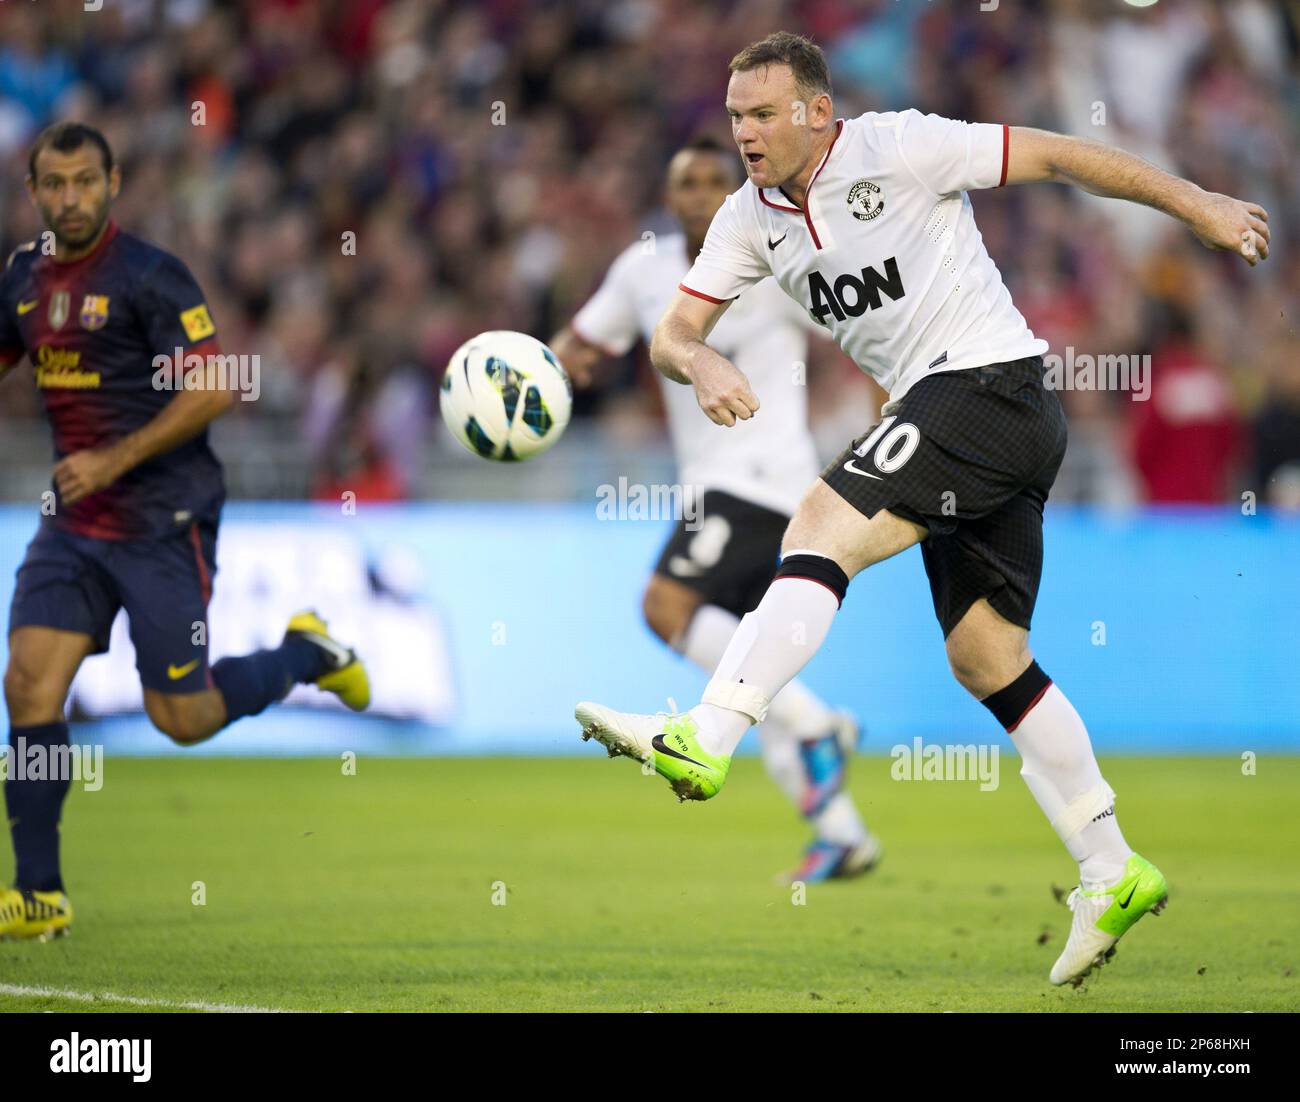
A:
11, 911
28, 914
345, 675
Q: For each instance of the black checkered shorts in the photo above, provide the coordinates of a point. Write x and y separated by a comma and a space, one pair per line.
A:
971, 455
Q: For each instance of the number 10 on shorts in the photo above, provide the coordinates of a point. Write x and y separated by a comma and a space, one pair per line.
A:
893, 444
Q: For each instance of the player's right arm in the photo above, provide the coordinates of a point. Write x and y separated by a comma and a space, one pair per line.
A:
727, 264
679, 352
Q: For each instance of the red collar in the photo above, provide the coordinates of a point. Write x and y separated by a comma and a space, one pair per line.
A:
839, 128
110, 232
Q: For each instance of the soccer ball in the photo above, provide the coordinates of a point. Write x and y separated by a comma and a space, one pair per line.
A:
505, 396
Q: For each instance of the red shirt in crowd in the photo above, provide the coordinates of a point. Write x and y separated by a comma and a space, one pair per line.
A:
1187, 434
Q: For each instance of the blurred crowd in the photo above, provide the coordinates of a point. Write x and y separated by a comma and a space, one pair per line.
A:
360, 185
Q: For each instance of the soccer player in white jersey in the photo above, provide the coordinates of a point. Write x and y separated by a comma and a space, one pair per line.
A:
745, 484
866, 223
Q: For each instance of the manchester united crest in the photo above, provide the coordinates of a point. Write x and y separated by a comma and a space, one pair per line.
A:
866, 201
60, 304
94, 311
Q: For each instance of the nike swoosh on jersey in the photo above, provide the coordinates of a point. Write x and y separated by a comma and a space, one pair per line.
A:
865, 474
175, 673
773, 244
27, 307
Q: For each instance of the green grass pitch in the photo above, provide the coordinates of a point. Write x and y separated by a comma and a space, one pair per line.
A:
376, 892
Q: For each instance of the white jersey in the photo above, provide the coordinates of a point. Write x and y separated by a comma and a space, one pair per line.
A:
770, 459
885, 253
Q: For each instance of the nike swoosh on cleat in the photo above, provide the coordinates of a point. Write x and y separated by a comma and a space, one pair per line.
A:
339, 655
1124, 906
865, 474
658, 743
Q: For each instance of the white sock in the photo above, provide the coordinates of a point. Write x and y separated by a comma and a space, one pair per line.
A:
798, 712
783, 761
1058, 765
838, 821
770, 646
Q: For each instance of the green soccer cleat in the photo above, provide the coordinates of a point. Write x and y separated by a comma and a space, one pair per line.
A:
669, 742
1103, 916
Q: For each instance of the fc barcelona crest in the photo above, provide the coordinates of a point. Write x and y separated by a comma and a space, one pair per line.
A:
60, 302
94, 312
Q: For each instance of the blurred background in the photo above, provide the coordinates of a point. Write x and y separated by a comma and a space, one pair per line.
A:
493, 157
377, 118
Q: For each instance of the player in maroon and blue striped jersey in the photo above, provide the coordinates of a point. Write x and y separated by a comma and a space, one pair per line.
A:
131, 520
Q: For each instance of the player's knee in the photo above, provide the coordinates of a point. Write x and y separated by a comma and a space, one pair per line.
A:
184, 726
19, 685
827, 525
970, 658
984, 669
666, 612
27, 691
985, 651
182, 731
969, 670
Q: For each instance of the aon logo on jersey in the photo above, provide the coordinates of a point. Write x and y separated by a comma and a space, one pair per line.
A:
851, 295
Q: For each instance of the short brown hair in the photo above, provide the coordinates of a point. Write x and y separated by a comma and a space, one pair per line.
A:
65, 137
802, 54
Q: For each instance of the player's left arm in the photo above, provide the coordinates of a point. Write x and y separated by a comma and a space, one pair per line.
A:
175, 317
605, 326
1220, 221
11, 339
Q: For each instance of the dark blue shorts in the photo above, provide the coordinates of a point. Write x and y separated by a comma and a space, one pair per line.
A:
78, 583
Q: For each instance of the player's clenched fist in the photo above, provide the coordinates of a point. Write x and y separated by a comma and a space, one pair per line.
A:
1222, 222
85, 472
723, 391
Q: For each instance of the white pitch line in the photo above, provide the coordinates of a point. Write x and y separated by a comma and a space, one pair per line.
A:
131, 1000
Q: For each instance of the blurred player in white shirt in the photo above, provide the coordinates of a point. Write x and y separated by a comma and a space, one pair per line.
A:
745, 484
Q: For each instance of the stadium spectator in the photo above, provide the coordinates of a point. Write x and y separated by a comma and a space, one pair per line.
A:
1187, 435
1277, 431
